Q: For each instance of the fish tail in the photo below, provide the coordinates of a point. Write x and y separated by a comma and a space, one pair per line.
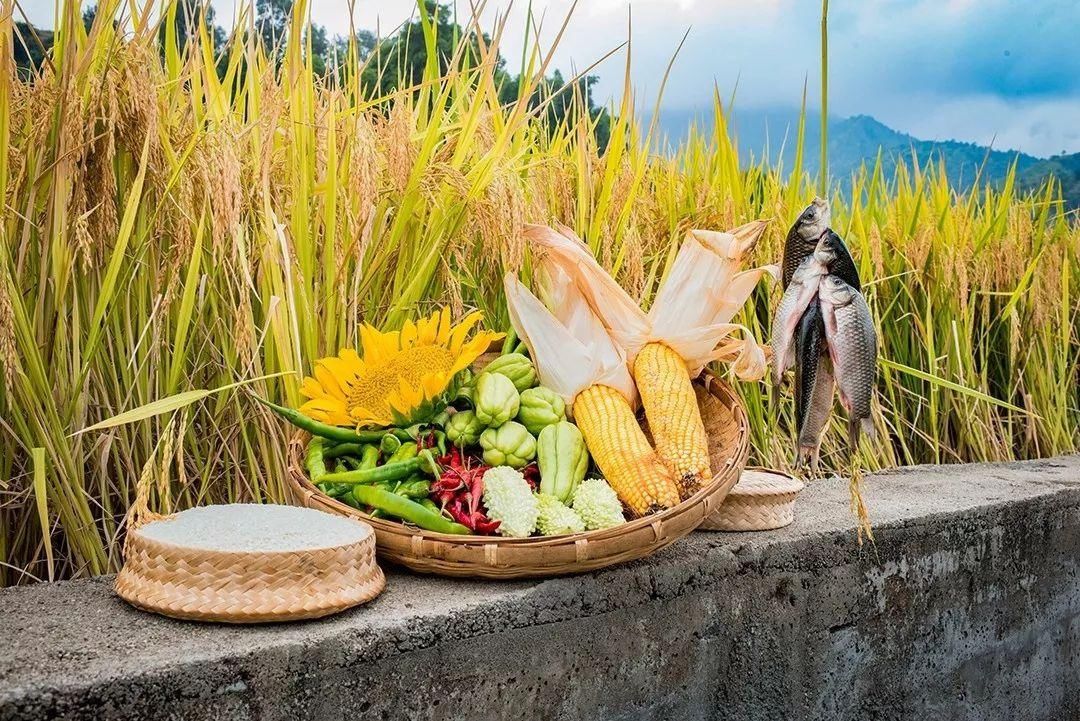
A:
853, 428
868, 428
808, 457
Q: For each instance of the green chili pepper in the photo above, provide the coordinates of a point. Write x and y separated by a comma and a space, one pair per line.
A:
407, 510
509, 341
440, 441
369, 458
351, 463
389, 445
314, 461
404, 452
388, 472
415, 488
344, 449
325, 430
429, 504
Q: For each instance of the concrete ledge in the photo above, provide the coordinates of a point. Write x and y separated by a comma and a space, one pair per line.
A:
968, 608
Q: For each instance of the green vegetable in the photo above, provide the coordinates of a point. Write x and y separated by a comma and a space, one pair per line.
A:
333, 433
509, 500
539, 408
314, 461
369, 458
407, 510
508, 445
388, 472
428, 504
595, 501
404, 452
389, 445
464, 429
338, 450
509, 341
556, 518
415, 488
516, 367
563, 459
465, 390
495, 399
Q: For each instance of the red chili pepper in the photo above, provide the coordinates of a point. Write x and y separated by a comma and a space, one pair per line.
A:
460, 491
532, 475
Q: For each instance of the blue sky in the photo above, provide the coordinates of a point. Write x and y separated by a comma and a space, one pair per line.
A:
978, 70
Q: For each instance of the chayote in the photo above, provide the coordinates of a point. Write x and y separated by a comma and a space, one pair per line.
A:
495, 399
563, 459
540, 407
508, 445
464, 429
516, 367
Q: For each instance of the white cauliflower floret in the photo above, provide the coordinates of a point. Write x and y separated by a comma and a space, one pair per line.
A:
556, 518
595, 501
509, 499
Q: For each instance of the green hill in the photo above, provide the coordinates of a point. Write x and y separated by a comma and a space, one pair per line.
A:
856, 140
1066, 168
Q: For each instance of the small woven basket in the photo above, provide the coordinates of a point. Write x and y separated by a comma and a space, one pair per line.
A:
762, 500
248, 586
494, 557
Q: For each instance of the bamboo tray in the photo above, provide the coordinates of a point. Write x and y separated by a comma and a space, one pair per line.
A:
493, 557
762, 500
252, 586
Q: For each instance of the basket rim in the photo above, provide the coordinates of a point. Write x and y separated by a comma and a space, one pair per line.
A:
790, 486
714, 385
136, 535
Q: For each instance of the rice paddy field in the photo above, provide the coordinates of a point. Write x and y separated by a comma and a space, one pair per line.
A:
171, 230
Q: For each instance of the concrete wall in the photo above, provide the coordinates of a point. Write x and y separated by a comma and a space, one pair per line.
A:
967, 608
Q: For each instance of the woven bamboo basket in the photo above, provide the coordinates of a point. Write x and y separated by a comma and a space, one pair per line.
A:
248, 586
493, 557
762, 500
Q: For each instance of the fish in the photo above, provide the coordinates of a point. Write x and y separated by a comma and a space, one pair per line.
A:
852, 343
801, 292
803, 236
832, 251
814, 386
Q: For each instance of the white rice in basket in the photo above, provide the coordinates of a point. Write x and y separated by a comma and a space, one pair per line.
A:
254, 527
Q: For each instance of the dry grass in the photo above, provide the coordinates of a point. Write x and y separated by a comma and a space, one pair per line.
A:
166, 231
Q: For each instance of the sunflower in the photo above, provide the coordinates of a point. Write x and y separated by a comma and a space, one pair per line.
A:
403, 377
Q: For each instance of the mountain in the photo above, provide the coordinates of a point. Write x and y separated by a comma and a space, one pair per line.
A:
1066, 168
770, 134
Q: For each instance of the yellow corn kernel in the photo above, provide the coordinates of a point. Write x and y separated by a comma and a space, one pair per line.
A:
674, 417
621, 450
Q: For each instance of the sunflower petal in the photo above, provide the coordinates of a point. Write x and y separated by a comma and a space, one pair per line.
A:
444, 327
457, 337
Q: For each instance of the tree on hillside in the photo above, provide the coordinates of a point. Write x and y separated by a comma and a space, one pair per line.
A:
399, 60
188, 13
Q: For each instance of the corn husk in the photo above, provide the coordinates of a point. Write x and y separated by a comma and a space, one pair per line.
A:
570, 348
693, 308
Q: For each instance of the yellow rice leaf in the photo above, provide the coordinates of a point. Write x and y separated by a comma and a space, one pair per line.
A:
167, 405
42, 502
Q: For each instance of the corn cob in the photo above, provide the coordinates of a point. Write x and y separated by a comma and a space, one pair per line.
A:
674, 418
619, 447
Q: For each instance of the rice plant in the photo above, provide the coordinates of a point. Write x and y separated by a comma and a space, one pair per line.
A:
181, 217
